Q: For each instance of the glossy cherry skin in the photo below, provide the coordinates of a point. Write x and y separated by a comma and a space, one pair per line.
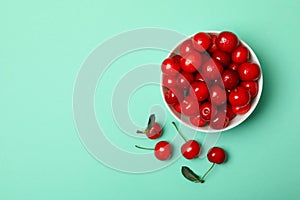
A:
249, 71
230, 79
184, 80
240, 110
189, 106
252, 86
239, 96
170, 67
186, 47
222, 57
190, 149
191, 61
163, 150
233, 66
227, 41
155, 131
173, 96
199, 89
169, 81
176, 58
197, 121
201, 41
198, 77
229, 113
211, 70
177, 107
216, 155
206, 111
218, 95
213, 46
240, 54
219, 121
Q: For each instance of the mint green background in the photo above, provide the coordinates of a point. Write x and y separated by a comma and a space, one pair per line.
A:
42, 45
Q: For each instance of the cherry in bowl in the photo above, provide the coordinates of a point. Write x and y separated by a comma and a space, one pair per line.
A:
217, 67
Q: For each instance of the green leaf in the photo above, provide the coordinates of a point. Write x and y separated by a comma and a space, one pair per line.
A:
190, 175
151, 122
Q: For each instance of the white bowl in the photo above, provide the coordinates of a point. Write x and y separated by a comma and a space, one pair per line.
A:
239, 118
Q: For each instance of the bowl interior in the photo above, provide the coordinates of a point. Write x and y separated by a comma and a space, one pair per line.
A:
235, 121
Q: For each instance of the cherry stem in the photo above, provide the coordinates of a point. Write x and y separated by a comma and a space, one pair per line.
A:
139, 131
179, 132
145, 148
207, 172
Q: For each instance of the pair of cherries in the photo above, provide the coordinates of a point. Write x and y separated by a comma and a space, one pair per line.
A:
163, 149
191, 149
215, 155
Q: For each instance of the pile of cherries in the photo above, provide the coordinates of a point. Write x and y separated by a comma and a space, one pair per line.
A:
209, 79
189, 150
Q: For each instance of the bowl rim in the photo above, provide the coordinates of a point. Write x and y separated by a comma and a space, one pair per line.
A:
239, 118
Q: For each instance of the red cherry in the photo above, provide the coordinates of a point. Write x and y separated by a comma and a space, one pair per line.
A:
190, 149
177, 107
239, 96
197, 121
201, 41
213, 47
227, 41
162, 150
173, 96
219, 121
233, 66
240, 54
229, 113
252, 86
230, 79
189, 106
184, 80
177, 59
249, 71
169, 81
200, 90
216, 155
211, 70
191, 61
186, 47
155, 132
170, 67
222, 57
240, 110
198, 77
206, 111
217, 95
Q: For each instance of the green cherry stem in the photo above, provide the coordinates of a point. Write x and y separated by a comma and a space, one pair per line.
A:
212, 166
139, 131
145, 148
179, 132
